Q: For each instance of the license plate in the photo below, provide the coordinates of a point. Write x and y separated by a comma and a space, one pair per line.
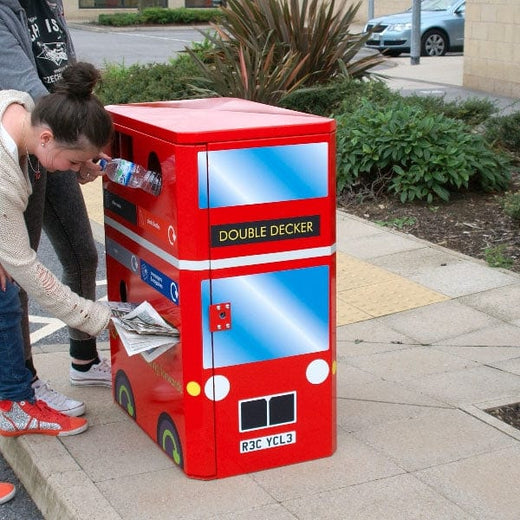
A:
267, 442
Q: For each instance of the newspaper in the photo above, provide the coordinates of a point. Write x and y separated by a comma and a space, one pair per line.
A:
142, 330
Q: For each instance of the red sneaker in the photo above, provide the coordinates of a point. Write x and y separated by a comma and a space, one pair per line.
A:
19, 418
7, 491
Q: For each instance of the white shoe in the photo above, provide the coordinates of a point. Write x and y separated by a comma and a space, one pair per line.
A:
56, 401
97, 375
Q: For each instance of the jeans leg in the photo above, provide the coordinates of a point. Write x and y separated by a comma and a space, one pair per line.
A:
15, 378
66, 222
34, 222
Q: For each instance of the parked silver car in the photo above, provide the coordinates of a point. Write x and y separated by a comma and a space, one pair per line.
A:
442, 29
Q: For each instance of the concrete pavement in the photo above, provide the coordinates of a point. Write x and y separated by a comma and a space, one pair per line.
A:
437, 76
427, 340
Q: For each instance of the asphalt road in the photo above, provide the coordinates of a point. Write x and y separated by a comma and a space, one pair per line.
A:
101, 46
21, 507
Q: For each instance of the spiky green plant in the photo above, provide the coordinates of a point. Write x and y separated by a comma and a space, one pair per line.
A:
263, 49
250, 70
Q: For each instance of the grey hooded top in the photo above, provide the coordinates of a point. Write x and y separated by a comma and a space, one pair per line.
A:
17, 65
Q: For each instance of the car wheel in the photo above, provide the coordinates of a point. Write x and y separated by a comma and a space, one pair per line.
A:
434, 43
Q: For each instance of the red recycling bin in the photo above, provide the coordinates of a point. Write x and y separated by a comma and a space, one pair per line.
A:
238, 253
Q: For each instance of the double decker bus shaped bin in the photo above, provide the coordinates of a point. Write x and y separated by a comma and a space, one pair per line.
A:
238, 253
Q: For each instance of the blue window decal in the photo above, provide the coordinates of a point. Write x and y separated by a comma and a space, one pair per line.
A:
265, 174
274, 315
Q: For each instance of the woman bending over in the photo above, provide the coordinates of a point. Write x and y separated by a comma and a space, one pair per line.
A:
66, 130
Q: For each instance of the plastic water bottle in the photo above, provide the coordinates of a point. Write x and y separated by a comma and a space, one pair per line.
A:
132, 175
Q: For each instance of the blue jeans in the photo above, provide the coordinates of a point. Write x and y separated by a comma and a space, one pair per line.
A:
15, 378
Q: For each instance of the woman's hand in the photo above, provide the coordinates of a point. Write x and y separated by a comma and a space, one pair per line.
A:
90, 170
4, 277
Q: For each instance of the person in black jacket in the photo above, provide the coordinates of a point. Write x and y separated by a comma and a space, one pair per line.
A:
36, 47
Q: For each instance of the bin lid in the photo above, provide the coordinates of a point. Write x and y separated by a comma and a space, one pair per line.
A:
197, 121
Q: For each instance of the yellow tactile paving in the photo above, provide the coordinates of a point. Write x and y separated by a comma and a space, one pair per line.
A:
365, 291
347, 313
93, 195
352, 273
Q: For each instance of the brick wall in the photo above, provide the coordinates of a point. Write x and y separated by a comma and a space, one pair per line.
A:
492, 46
74, 13
381, 7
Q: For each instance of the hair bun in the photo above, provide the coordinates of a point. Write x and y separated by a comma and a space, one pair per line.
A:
78, 80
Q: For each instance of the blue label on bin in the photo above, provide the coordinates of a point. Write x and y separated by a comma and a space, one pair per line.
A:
160, 282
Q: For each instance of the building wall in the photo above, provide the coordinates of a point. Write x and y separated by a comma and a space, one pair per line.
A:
381, 7
492, 46
74, 13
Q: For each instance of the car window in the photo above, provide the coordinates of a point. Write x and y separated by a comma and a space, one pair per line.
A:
436, 5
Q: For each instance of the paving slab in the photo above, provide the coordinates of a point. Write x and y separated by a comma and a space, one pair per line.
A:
375, 245
269, 512
347, 349
365, 291
167, 494
391, 392
464, 277
484, 353
481, 485
447, 272
371, 332
411, 363
473, 385
497, 302
512, 366
354, 462
355, 415
439, 322
438, 70
434, 438
500, 334
416, 262
402, 497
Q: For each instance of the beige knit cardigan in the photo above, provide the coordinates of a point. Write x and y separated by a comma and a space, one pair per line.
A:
16, 255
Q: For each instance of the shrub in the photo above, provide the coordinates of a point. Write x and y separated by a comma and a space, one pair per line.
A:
264, 49
496, 256
338, 96
118, 19
511, 205
414, 154
161, 16
181, 15
504, 131
156, 15
151, 82
375, 91
472, 111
